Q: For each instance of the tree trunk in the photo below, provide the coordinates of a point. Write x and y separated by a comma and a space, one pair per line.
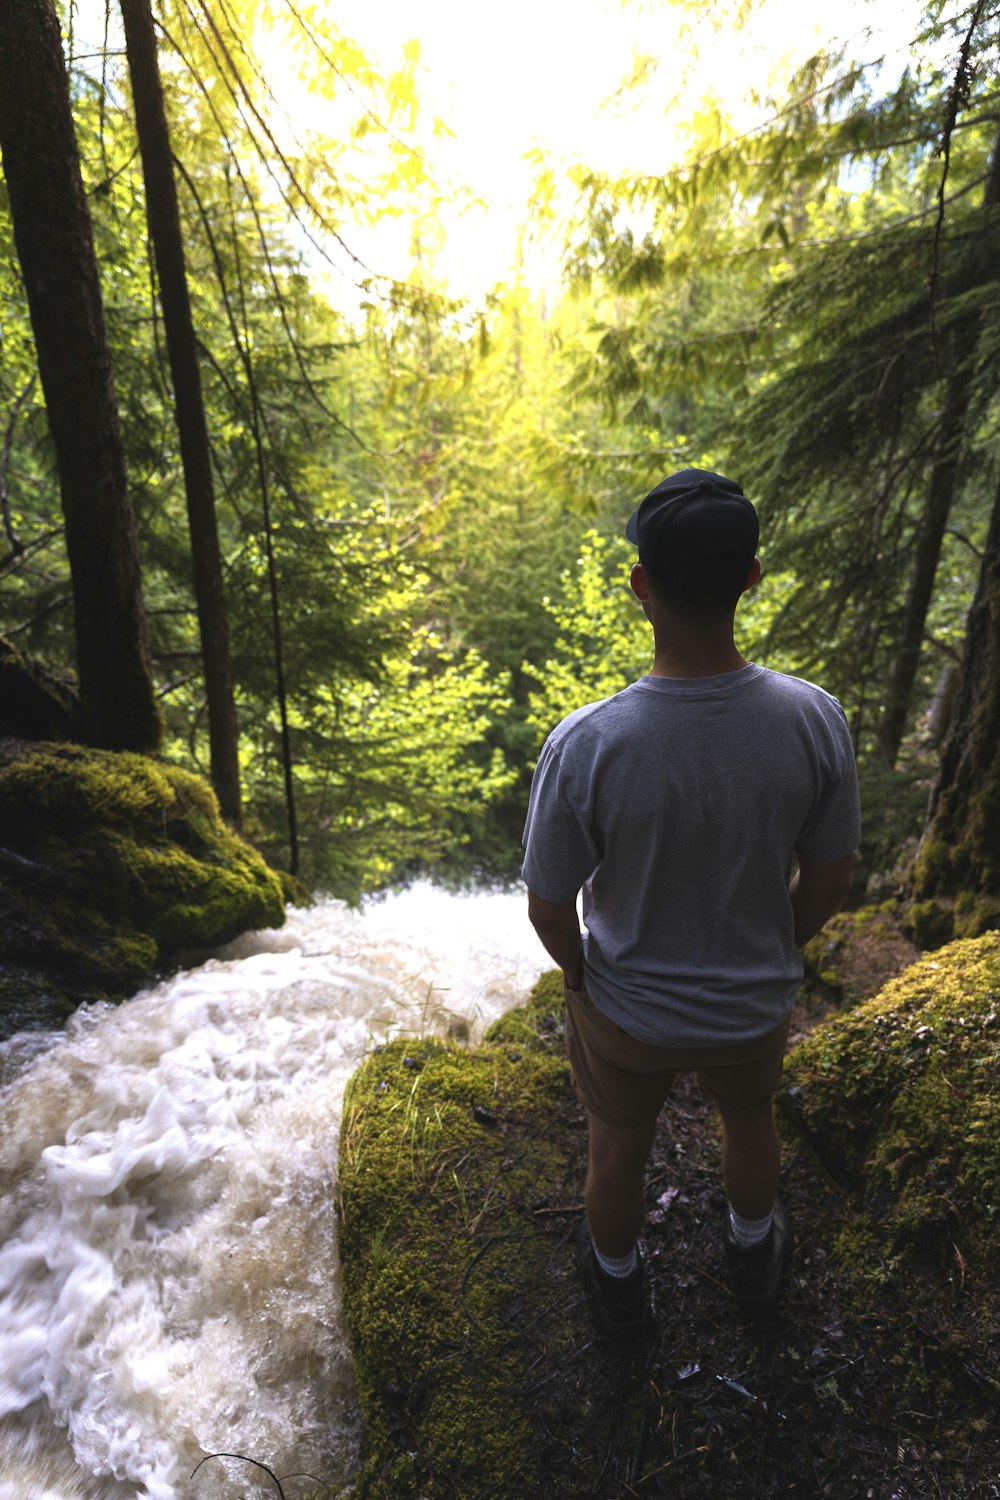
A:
937, 508
960, 850
192, 430
941, 494
55, 247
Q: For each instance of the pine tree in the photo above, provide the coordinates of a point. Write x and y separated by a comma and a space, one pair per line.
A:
55, 248
164, 220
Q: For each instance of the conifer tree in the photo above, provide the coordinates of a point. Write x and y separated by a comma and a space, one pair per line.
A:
55, 248
164, 220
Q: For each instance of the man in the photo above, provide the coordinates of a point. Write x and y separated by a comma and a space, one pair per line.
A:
680, 808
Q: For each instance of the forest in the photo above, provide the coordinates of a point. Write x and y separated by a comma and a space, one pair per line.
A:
353, 566
302, 556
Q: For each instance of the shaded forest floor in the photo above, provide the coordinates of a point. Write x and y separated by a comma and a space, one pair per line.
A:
813, 1403
879, 1387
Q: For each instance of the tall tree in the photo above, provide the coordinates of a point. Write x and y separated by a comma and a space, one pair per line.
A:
192, 429
944, 480
55, 248
960, 851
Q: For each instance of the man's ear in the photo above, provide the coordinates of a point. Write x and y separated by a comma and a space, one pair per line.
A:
753, 576
638, 582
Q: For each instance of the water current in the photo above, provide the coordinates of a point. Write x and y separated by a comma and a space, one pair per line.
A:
168, 1270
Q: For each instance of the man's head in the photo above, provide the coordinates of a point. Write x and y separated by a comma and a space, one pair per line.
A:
697, 537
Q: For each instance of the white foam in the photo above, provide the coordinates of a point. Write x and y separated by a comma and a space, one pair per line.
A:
168, 1276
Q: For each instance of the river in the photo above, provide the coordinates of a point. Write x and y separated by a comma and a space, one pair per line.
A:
168, 1271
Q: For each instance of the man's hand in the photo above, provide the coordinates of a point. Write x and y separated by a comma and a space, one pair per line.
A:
558, 926
817, 888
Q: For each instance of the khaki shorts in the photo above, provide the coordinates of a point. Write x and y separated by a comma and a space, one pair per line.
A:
624, 1082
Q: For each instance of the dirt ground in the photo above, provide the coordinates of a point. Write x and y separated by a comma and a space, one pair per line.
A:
812, 1404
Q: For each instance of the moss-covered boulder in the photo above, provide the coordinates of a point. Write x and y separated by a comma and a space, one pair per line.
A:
938, 920
902, 1100
111, 866
855, 954
453, 1164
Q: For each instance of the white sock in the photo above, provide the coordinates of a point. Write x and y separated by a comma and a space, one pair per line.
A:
749, 1232
620, 1267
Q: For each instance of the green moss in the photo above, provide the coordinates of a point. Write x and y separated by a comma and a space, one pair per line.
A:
185, 899
443, 1152
68, 784
900, 1096
294, 891
536, 1026
931, 867
975, 914
970, 859
116, 864
930, 924
833, 975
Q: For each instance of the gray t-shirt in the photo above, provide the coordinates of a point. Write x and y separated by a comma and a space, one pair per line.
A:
678, 805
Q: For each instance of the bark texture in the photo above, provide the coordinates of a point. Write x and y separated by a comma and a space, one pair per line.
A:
192, 430
960, 851
55, 248
941, 493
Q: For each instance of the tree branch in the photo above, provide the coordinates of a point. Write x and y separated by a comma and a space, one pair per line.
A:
958, 96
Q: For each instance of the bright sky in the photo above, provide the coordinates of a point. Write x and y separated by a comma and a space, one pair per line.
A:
526, 75
509, 79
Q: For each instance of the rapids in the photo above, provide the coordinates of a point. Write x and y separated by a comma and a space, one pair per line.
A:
168, 1270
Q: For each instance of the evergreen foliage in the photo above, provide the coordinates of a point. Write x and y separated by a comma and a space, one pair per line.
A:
423, 505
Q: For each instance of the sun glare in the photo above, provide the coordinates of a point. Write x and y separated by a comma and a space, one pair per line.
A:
546, 83
506, 93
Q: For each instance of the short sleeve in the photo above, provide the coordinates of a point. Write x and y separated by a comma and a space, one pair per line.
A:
833, 827
560, 853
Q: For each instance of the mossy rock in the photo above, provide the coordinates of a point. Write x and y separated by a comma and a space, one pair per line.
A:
854, 956
937, 921
900, 1098
930, 924
452, 1166
294, 891
536, 1026
112, 865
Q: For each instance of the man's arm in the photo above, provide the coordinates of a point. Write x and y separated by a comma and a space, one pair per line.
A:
558, 927
817, 888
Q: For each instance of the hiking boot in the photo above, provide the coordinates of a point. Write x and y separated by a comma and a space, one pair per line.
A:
619, 1304
757, 1274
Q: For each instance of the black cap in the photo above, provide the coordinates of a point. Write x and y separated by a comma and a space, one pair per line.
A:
697, 533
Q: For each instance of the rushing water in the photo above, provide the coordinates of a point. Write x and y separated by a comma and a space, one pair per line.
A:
168, 1273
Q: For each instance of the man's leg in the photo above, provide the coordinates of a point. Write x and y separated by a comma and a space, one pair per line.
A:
607, 1246
615, 1179
757, 1236
751, 1157
617, 1078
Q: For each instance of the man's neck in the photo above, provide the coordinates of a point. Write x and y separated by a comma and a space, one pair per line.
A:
685, 652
